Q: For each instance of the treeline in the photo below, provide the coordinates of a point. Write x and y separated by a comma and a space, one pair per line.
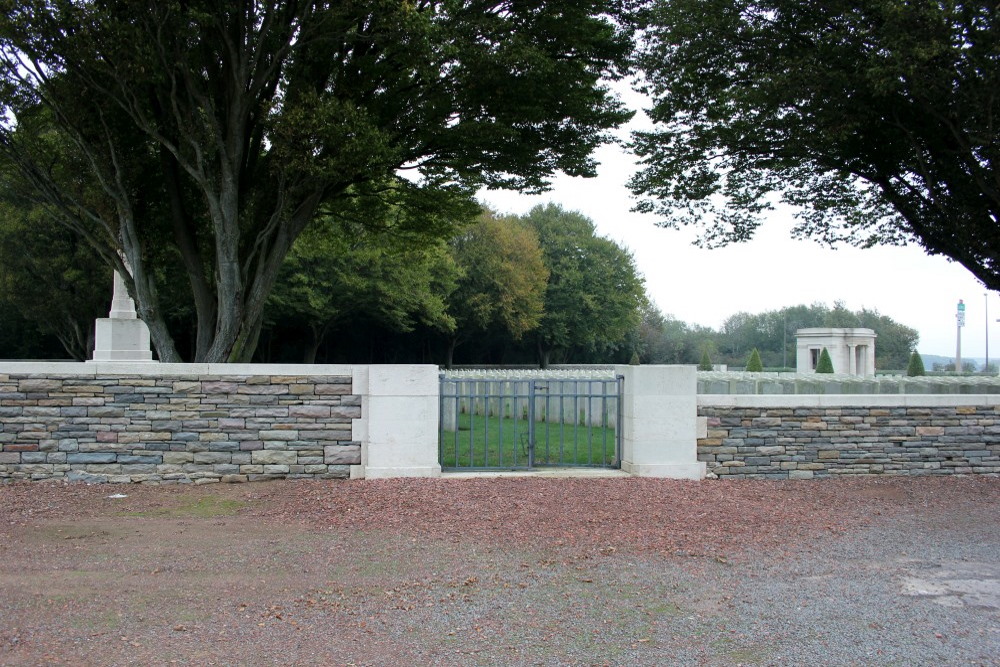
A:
540, 288
666, 340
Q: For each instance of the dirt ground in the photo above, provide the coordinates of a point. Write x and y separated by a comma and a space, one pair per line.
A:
502, 572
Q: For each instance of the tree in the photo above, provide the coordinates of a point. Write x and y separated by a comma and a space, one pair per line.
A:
501, 283
340, 273
916, 365
824, 364
595, 294
53, 279
216, 132
874, 117
894, 342
754, 364
706, 362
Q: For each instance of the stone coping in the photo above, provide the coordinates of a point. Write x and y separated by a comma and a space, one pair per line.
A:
155, 369
846, 400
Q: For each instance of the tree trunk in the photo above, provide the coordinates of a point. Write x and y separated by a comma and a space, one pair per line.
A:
543, 355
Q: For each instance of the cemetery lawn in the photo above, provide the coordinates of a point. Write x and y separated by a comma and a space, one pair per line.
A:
502, 443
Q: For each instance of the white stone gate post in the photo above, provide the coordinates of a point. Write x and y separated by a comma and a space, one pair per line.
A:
398, 430
660, 418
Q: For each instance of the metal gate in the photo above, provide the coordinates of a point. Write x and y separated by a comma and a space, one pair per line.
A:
517, 423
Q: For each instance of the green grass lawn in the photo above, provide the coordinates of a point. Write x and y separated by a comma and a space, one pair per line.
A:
494, 442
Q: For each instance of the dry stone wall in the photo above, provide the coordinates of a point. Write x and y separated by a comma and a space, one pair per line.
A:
177, 428
819, 441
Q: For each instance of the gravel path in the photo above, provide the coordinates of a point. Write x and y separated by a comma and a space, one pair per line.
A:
864, 571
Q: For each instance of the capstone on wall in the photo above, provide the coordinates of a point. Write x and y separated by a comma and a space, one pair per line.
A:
109, 427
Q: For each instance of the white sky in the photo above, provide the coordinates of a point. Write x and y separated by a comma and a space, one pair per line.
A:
773, 271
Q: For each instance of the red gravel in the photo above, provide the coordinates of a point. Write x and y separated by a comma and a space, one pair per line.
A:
311, 572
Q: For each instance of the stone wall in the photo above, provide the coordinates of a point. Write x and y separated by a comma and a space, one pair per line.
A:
163, 426
741, 382
828, 436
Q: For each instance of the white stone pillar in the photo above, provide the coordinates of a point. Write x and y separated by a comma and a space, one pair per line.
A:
852, 359
398, 429
660, 422
121, 336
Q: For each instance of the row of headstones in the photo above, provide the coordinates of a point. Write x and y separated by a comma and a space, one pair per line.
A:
581, 402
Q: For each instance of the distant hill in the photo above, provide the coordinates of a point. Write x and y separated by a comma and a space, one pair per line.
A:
931, 359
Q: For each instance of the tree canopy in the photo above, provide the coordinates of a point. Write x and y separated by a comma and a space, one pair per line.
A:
502, 280
53, 279
595, 294
213, 133
341, 274
875, 118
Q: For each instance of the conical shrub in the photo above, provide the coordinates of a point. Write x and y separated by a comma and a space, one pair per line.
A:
706, 362
825, 364
916, 365
754, 364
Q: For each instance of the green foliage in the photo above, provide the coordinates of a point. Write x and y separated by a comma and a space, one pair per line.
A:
595, 295
824, 364
341, 274
773, 334
55, 281
214, 133
754, 364
706, 362
635, 360
916, 366
502, 281
874, 118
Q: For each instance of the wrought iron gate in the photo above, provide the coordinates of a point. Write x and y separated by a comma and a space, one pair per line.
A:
511, 423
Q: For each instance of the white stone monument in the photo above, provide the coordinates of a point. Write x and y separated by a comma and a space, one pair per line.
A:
852, 351
121, 336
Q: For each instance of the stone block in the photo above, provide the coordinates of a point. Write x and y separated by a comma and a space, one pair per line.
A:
282, 435
207, 458
345, 412
800, 474
275, 470
91, 457
314, 411
333, 389
342, 455
268, 457
219, 387
34, 385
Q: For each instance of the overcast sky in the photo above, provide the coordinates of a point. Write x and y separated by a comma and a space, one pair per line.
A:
773, 271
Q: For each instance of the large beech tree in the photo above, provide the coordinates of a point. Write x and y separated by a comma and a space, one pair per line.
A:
877, 118
502, 279
215, 131
594, 296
